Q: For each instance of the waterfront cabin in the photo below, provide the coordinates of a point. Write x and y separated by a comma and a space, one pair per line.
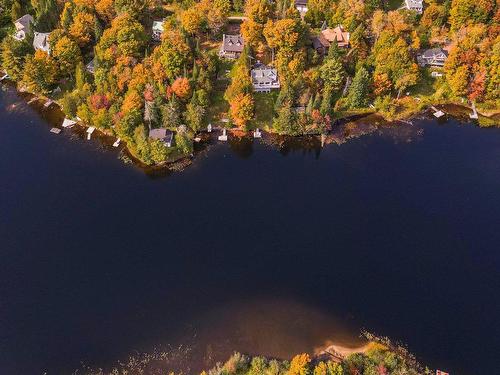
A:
231, 47
41, 42
157, 30
415, 5
23, 26
163, 135
328, 36
301, 6
264, 78
434, 57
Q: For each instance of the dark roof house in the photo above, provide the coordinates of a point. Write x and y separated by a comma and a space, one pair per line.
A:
232, 46
433, 57
163, 135
23, 26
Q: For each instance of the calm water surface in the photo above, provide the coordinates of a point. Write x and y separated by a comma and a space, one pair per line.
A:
250, 248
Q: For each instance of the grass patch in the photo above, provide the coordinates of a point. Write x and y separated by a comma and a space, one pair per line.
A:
218, 107
394, 4
425, 86
264, 110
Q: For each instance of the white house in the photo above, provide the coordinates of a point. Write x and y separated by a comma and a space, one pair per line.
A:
23, 26
41, 42
264, 78
157, 30
416, 5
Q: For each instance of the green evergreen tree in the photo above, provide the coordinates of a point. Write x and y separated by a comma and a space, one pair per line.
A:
358, 92
326, 102
16, 10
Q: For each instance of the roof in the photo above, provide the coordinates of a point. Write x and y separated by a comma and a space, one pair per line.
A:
263, 74
158, 26
414, 3
161, 134
91, 66
300, 2
24, 22
41, 41
232, 43
337, 34
433, 52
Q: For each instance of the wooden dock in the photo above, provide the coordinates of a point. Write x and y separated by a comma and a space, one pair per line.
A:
89, 132
55, 130
48, 103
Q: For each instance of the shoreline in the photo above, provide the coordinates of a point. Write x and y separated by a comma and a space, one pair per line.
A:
177, 164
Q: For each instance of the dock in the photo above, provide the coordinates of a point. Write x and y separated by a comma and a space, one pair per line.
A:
89, 132
5, 76
209, 128
49, 103
67, 123
55, 130
223, 137
257, 133
34, 99
117, 142
474, 114
437, 113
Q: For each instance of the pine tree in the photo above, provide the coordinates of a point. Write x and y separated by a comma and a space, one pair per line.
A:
310, 105
16, 11
80, 76
358, 92
327, 102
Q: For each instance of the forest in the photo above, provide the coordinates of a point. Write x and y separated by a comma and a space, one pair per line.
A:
105, 64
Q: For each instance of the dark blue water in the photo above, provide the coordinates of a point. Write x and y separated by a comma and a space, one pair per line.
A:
99, 259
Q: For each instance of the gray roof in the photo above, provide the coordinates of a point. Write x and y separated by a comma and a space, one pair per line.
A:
41, 41
161, 134
300, 2
24, 22
158, 26
232, 43
264, 74
433, 52
414, 3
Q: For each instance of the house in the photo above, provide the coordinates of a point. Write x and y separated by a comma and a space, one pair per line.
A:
157, 30
264, 78
231, 47
163, 135
23, 26
328, 36
416, 5
41, 42
433, 57
91, 66
301, 6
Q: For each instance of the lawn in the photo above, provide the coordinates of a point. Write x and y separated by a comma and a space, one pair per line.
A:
394, 4
425, 86
264, 110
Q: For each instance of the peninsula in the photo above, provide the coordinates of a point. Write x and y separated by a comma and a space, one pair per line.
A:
156, 74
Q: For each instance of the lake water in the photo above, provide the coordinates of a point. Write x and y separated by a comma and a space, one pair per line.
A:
252, 248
